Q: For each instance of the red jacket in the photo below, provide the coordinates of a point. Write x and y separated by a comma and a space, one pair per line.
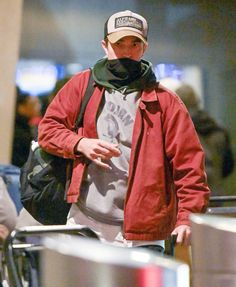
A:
167, 180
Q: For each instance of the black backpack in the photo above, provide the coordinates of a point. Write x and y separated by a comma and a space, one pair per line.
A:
45, 178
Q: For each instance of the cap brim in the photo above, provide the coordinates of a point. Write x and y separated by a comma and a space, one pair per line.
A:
116, 36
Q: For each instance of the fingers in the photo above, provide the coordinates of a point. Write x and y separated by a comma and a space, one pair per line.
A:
100, 163
98, 150
106, 150
183, 233
183, 239
187, 237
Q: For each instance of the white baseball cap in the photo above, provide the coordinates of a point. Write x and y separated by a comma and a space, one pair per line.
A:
125, 23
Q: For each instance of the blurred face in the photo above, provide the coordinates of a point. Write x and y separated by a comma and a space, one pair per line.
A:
128, 47
31, 108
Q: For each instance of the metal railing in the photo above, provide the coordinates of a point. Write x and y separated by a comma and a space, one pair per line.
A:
222, 210
225, 198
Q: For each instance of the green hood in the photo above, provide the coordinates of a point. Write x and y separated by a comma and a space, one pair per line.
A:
104, 77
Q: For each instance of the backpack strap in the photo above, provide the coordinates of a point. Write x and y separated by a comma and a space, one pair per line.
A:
79, 123
88, 93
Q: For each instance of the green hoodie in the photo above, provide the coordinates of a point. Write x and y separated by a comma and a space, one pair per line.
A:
121, 77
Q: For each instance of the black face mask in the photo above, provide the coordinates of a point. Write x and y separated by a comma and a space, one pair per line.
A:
123, 71
124, 74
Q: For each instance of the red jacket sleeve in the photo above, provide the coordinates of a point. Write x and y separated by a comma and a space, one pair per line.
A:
56, 133
186, 158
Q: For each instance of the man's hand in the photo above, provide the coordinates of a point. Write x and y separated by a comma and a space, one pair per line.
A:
98, 150
183, 233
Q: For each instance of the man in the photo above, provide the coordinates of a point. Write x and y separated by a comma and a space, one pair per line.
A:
138, 170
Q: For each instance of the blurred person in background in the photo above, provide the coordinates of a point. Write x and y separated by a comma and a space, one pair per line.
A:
214, 138
8, 213
27, 117
8, 216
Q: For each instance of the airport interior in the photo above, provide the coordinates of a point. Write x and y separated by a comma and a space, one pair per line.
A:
43, 42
